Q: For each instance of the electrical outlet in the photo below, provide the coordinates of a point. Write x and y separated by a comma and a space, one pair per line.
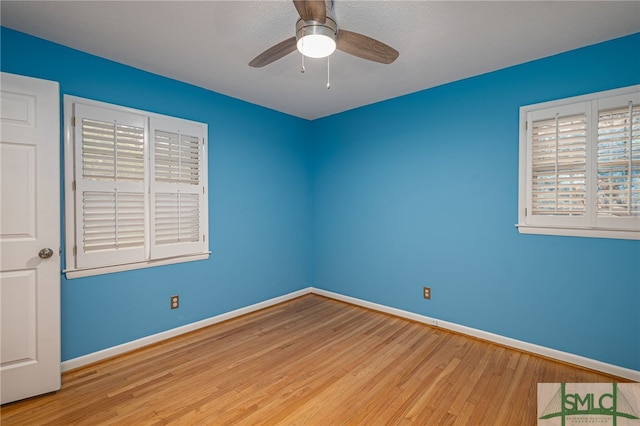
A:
175, 302
427, 292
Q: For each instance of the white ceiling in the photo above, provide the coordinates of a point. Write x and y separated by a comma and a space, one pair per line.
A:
210, 43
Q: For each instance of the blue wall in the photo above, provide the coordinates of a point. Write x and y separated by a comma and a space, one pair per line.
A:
258, 203
423, 190
419, 190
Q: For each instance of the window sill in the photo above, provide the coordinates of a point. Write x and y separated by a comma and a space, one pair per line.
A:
79, 273
623, 234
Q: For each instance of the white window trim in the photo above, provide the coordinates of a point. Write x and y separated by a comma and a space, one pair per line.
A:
72, 271
88, 272
527, 226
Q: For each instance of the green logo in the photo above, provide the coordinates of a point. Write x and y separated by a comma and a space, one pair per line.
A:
588, 402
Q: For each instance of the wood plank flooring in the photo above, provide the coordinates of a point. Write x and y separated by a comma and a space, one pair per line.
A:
309, 361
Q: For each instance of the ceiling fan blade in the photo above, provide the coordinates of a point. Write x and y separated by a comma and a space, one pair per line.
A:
365, 47
274, 53
311, 10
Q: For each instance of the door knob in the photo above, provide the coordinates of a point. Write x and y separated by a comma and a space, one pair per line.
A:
45, 253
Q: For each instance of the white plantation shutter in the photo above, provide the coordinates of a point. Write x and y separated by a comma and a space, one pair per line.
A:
618, 162
135, 189
558, 165
580, 166
178, 178
110, 186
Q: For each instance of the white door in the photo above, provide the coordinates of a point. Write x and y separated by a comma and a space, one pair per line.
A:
29, 237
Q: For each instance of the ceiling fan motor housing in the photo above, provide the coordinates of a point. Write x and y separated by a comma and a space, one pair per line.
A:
315, 28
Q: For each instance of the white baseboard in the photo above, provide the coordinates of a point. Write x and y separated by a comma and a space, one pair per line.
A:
154, 338
501, 340
567, 357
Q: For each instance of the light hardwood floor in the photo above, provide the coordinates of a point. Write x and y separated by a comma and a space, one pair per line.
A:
309, 361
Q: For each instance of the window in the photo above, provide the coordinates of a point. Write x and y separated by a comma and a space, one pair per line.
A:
135, 189
580, 166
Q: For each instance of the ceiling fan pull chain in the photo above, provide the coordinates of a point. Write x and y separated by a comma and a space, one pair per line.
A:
302, 69
328, 75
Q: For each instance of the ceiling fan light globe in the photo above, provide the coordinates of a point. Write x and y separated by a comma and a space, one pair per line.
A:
316, 45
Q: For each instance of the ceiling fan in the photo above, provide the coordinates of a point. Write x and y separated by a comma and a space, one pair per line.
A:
317, 36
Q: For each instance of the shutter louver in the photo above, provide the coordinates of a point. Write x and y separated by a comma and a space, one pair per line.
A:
177, 218
559, 166
112, 221
177, 158
112, 151
619, 162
